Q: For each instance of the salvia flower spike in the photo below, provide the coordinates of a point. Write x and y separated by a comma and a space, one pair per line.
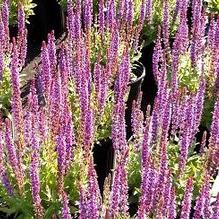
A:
216, 208
148, 13
186, 203
172, 208
22, 35
17, 112
65, 207
13, 157
5, 18
200, 202
34, 172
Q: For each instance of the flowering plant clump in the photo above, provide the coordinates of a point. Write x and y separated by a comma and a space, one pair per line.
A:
78, 96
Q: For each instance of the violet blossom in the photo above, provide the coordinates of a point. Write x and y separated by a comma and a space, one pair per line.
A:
34, 173
52, 53
148, 187
17, 113
5, 19
66, 214
172, 205
216, 208
148, 11
186, 203
22, 35
13, 157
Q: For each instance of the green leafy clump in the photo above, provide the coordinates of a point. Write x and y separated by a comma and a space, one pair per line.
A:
134, 174
194, 168
5, 89
188, 76
212, 6
21, 205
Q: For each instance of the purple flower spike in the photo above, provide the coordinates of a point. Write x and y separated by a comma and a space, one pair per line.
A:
180, 45
200, 202
101, 17
13, 156
148, 13
112, 56
148, 186
88, 13
1, 62
64, 72
66, 214
56, 104
187, 131
42, 125
100, 86
186, 204
93, 195
17, 113
45, 69
145, 154
110, 16
2, 33
3, 173
70, 139
165, 25
118, 126
34, 173
199, 102
137, 117
89, 131
124, 205
70, 20
27, 126
172, 208
5, 19
23, 48
82, 204
214, 139
21, 19
61, 150
130, 14
52, 53
216, 208
177, 10
121, 13
22, 35
142, 16
119, 192
157, 55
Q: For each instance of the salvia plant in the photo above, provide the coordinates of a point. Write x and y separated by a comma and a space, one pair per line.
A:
78, 97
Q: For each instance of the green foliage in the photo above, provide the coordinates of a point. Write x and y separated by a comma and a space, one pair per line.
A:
194, 168
207, 112
188, 76
5, 89
63, 4
104, 122
98, 48
134, 173
212, 6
